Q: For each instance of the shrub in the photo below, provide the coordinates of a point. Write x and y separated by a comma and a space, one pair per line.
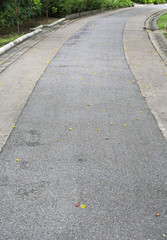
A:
150, 1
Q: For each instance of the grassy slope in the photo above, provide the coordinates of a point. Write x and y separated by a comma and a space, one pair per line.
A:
162, 21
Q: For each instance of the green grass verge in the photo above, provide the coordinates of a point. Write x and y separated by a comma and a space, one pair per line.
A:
11, 38
162, 20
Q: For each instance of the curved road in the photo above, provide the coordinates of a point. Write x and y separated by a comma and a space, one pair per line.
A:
86, 137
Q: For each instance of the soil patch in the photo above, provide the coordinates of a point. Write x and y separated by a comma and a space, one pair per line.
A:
25, 28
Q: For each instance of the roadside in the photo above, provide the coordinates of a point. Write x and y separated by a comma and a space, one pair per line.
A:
148, 66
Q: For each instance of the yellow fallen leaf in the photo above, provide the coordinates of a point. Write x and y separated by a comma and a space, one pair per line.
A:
70, 129
14, 126
111, 123
17, 160
88, 104
125, 124
82, 206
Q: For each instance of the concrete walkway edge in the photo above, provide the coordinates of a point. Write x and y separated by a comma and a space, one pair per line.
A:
157, 38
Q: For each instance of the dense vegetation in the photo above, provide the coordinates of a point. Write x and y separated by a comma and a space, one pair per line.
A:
150, 1
162, 21
15, 12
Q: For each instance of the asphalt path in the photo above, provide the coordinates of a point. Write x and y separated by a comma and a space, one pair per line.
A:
86, 137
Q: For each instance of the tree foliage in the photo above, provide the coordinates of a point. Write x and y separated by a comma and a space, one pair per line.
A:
55, 8
9, 9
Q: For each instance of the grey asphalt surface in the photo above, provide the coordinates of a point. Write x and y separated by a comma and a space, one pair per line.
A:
69, 152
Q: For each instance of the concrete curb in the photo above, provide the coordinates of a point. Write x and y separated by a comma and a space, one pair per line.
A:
17, 41
55, 23
157, 38
151, 22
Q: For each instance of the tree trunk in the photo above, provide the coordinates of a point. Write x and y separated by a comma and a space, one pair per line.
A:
17, 17
47, 11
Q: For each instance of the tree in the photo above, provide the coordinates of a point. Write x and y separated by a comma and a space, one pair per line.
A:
23, 9
17, 10
48, 4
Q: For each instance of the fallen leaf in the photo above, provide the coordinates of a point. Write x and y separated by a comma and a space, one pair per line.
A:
82, 206
77, 205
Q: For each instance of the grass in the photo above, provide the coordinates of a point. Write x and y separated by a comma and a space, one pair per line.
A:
162, 20
9, 38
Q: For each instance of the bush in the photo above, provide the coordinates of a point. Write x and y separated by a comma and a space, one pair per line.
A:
72, 6
125, 3
60, 8
150, 1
